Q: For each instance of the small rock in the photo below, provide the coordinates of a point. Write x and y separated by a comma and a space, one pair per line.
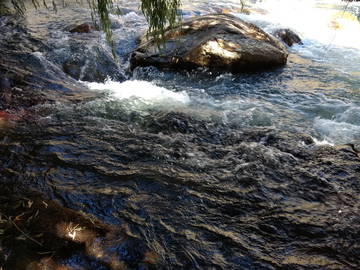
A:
92, 64
82, 28
288, 36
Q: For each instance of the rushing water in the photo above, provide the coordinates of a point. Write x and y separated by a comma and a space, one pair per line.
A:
317, 92
200, 164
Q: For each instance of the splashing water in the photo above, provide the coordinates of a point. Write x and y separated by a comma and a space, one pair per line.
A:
319, 84
142, 90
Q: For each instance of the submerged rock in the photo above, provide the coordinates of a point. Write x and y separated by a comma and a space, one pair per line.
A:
31, 78
226, 196
288, 36
219, 41
82, 28
92, 64
85, 58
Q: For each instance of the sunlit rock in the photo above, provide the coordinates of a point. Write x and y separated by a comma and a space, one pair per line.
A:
219, 41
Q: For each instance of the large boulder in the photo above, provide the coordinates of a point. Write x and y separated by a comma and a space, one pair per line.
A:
218, 41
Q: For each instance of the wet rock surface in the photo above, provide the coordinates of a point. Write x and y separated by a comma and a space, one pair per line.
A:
85, 58
32, 71
288, 36
39, 234
92, 64
82, 28
219, 41
27, 77
197, 193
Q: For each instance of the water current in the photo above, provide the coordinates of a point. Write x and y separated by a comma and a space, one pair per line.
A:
210, 170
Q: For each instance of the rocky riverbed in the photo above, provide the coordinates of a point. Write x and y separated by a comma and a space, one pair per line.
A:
170, 169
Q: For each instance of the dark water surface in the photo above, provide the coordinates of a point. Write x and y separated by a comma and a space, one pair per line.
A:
207, 170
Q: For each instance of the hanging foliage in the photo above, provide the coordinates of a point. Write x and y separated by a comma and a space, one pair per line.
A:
160, 14
100, 10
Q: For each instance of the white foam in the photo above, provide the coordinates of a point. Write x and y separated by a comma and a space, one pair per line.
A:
143, 91
337, 132
322, 142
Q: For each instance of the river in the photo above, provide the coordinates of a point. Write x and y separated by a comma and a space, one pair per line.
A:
210, 170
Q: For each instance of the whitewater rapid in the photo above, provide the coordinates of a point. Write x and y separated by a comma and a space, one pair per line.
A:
318, 92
